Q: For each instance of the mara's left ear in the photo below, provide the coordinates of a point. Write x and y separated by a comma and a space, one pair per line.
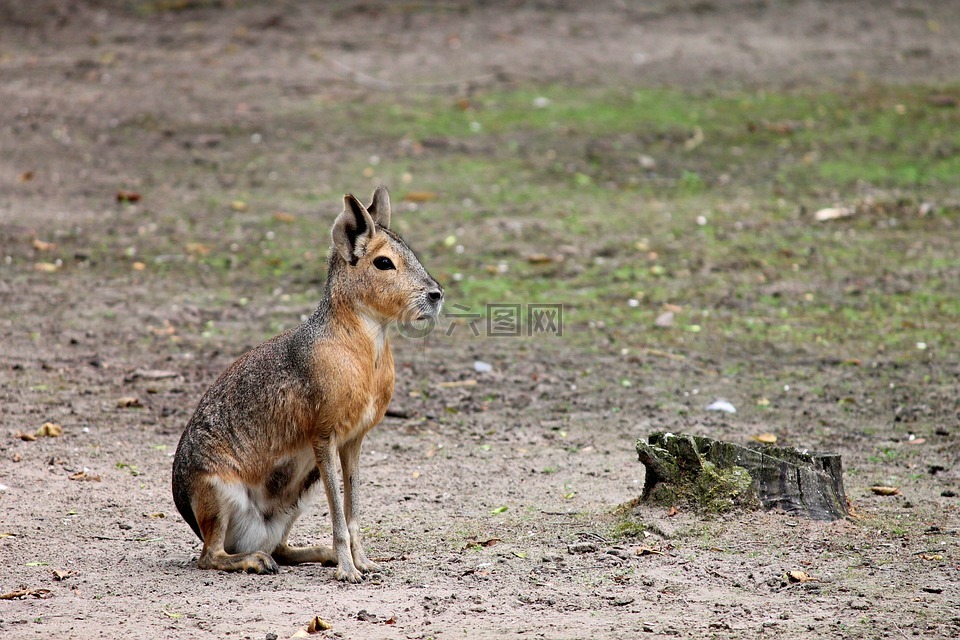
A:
380, 207
352, 230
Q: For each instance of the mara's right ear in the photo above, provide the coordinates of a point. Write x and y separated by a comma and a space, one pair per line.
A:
352, 230
380, 207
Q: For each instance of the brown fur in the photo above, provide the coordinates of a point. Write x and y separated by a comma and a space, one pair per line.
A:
276, 421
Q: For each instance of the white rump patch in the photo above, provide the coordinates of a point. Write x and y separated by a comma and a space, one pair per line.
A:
248, 530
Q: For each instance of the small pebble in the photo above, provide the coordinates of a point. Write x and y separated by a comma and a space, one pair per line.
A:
482, 367
664, 320
366, 616
722, 405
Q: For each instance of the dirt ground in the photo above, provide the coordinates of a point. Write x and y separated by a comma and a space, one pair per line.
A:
538, 434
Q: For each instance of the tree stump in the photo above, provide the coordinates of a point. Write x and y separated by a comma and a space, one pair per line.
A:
717, 476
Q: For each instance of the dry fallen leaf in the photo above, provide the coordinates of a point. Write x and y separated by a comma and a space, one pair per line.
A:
473, 544
40, 245
456, 383
127, 196
46, 267
391, 620
420, 196
153, 374
156, 515
800, 576
649, 551
672, 512
129, 402
318, 624
283, 216
539, 258
784, 128
20, 594
23, 435
832, 213
931, 556
198, 249
657, 353
83, 476
238, 205
885, 491
765, 438
49, 430
139, 266
60, 576
26, 176
695, 140
166, 330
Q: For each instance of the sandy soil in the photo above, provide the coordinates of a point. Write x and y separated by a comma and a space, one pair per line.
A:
539, 434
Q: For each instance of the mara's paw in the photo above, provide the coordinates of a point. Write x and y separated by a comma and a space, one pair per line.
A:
260, 562
367, 565
349, 574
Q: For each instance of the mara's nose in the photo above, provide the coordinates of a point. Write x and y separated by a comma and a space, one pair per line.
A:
435, 296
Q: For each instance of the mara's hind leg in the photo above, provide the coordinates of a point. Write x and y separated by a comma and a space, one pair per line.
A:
285, 554
213, 518
350, 463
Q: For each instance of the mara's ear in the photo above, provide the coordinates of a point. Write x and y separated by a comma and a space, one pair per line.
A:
380, 207
352, 230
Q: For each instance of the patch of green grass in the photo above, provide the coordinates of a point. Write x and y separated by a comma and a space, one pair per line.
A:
627, 529
611, 202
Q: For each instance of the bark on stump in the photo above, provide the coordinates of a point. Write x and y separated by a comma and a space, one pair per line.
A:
718, 476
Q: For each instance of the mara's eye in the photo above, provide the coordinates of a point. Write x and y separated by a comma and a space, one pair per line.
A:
383, 263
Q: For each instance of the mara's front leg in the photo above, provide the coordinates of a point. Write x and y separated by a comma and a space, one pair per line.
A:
350, 463
326, 461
